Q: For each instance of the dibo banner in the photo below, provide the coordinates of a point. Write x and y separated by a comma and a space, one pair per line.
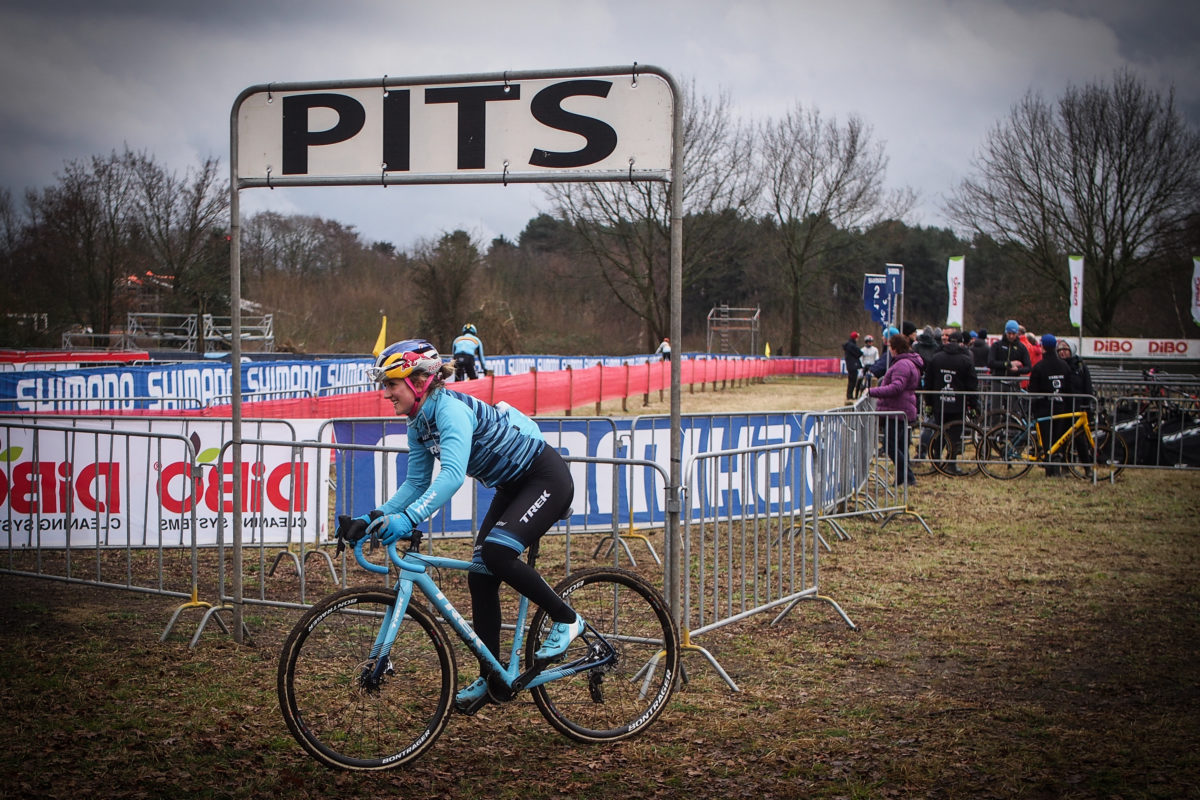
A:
101, 483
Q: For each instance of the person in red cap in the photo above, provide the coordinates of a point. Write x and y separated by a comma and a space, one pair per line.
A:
853, 359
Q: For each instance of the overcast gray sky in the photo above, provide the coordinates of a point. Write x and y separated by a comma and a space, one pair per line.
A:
931, 76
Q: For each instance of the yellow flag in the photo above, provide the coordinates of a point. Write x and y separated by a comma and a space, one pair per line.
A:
381, 342
767, 350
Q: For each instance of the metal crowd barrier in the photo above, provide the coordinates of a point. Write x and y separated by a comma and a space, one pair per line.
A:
1158, 432
743, 558
1135, 421
756, 554
859, 479
309, 536
97, 403
94, 525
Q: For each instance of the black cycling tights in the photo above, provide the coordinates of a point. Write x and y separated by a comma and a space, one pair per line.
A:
521, 511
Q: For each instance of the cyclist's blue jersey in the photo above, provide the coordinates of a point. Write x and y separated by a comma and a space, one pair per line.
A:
471, 345
469, 437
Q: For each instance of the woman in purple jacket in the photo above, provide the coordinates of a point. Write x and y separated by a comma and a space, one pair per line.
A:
897, 391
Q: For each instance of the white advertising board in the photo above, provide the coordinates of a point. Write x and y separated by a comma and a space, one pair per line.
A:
1116, 347
98, 485
503, 129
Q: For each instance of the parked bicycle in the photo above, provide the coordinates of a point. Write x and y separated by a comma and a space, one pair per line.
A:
367, 677
1011, 448
954, 448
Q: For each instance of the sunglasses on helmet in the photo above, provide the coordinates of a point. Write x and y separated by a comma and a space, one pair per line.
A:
406, 361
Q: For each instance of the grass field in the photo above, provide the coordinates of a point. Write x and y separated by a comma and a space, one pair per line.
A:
1041, 643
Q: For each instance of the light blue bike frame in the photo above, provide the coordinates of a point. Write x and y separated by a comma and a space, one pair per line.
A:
414, 572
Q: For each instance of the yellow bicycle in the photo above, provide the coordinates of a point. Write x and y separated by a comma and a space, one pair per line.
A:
1011, 448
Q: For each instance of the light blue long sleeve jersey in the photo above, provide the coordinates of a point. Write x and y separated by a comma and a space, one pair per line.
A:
471, 345
492, 444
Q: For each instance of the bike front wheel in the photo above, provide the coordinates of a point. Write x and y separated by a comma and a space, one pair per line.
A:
342, 710
622, 697
1003, 451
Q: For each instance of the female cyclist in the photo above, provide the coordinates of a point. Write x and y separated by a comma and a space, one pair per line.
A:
501, 448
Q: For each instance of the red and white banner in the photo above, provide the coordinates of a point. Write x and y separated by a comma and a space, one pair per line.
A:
1114, 347
954, 285
1076, 289
130, 482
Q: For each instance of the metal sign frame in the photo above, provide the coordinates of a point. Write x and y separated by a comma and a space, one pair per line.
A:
673, 176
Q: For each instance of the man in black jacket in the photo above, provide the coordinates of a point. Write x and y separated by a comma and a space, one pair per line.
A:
853, 359
1009, 357
980, 347
926, 346
950, 383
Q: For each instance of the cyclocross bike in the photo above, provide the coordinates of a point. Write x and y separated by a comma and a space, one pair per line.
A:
367, 677
1011, 448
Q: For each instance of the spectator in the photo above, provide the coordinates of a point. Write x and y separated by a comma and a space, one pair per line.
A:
950, 382
1048, 381
468, 349
979, 348
926, 345
1079, 374
898, 392
1008, 357
852, 356
870, 354
1034, 348
880, 367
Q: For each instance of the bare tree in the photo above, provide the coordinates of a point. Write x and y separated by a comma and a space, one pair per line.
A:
1111, 173
10, 224
443, 278
87, 240
820, 179
183, 220
624, 228
299, 245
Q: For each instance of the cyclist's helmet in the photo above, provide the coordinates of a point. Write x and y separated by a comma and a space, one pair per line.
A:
469, 328
402, 359
870, 338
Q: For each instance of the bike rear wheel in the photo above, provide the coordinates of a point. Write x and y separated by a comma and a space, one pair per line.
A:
338, 713
1112, 453
1003, 452
619, 699
955, 448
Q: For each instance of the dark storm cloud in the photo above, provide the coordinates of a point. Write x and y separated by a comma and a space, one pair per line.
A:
931, 76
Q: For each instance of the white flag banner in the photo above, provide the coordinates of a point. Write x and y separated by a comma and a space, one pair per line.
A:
954, 283
1076, 288
1196, 289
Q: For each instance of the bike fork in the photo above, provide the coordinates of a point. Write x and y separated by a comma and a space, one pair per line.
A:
380, 660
